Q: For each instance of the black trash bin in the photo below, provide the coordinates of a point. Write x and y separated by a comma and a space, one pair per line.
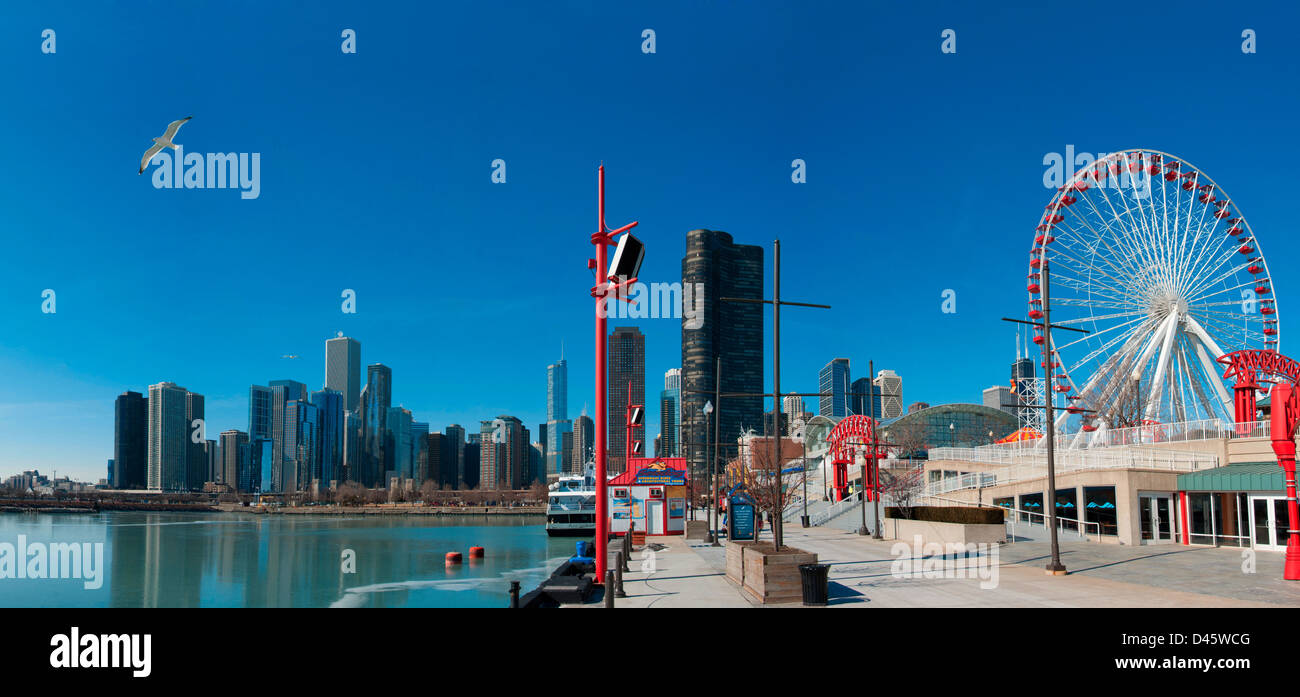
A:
816, 587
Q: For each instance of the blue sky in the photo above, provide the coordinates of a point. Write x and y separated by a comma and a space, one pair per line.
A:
924, 173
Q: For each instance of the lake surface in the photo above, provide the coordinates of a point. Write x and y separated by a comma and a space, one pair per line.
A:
250, 560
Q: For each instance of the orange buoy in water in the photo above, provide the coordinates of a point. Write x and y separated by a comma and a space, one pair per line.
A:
453, 557
475, 552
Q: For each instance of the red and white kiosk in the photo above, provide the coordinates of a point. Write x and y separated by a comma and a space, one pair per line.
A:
651, 494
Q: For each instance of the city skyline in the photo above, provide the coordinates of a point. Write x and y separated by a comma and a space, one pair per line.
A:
143, 276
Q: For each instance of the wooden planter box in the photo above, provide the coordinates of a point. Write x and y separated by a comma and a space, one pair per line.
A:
766, 576
735, 562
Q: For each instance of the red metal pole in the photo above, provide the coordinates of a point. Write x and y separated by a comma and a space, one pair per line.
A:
627, 422
1282, 405
602, 268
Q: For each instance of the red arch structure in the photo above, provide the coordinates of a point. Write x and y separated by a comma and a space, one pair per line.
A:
854, 434
1252, 367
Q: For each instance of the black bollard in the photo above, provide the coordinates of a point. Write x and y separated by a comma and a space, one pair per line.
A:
514, 594
609, 588
618, 577
627, 552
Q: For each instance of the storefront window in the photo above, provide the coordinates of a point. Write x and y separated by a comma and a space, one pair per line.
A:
1067, 508
1031, 503
1099, 507
1199, 519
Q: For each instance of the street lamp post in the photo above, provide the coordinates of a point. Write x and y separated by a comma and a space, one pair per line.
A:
708, 537
607, 287
717, 394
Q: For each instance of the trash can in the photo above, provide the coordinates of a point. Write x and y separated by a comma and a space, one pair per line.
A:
816, 587
803, 520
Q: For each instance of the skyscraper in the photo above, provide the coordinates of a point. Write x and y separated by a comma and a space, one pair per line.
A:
670, 415
419, 452
858, 399
130, 441
441, 465
266, 420
343, 369
891, 394
504, 453
376, 399
557, 418
196, 456
456, 454
626, 367
584, 440
231, 442
397, 454
714, 267
833, 383
329, 465
300, 461
168, 439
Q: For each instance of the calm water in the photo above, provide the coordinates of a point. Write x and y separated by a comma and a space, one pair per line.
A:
248, 560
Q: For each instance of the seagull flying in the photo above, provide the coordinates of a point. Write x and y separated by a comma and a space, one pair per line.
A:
289, 356
164, 142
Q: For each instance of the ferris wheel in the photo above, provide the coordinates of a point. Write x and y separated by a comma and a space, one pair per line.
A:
1154, 260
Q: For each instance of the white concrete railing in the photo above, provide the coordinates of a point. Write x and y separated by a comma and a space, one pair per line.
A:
1029, 464
1180, 432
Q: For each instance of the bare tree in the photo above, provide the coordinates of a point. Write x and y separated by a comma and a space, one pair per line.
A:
902, 486
757, 469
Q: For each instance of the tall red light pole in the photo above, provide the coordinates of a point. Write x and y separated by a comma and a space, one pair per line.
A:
605, 287
1284, 404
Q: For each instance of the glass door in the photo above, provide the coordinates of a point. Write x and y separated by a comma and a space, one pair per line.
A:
1156, 514
1268, 522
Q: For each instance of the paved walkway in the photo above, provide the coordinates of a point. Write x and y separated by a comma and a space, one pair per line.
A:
864, 573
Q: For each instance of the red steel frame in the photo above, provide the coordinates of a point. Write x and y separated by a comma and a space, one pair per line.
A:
1284, 406
854, 430
605, 287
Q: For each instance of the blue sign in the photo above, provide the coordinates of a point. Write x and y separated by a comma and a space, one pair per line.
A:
740, 520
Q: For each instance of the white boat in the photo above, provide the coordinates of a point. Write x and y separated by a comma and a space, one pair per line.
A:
571, 504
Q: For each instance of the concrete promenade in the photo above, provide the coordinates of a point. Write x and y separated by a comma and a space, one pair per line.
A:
689, 573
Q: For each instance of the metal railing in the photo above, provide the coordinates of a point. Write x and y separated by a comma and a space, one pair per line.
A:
1012, 517
1148, 434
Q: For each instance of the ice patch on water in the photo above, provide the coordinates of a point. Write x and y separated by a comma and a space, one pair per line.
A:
356, 597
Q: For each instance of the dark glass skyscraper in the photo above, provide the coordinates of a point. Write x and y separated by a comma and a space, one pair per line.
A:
626, 367
330, 403
376, 399
717, 267
833, 383
130, 441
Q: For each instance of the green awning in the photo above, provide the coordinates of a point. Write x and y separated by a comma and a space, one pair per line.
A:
1243, 476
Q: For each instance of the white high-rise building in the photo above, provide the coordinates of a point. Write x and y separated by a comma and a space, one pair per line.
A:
891, 393
168, 437
343, 369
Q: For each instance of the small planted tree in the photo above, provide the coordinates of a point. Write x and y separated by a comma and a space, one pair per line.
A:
759, 470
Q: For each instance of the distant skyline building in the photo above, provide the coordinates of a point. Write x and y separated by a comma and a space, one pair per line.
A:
419, 452
343, 369
376, 399
670, 415
717, 267
196, 455
999, 397
504, 453
328, 465
554, 456
232, 441
891, 393
584, 440
861, 388
130, 441
456, 453
626, 366
833, 382
168, 440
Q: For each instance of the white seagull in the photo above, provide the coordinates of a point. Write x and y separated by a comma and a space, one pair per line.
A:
164, 142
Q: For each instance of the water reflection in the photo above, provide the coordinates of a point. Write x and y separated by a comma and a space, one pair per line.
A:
250, 560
